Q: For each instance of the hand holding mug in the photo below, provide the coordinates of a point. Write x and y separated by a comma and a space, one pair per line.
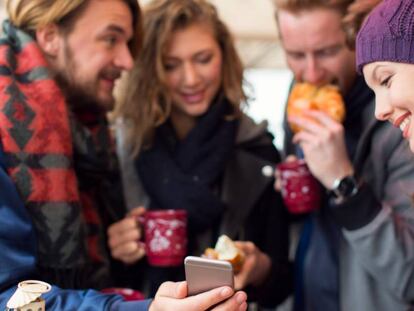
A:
124, 238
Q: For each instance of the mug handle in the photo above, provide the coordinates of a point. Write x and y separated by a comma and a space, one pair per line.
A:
141, 221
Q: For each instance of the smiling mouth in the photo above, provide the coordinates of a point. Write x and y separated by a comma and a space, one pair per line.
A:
193, 98
404, 126
403, 123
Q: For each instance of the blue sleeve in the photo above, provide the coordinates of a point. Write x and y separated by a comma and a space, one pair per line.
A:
87, 300
18, 259
142, 305
17, 237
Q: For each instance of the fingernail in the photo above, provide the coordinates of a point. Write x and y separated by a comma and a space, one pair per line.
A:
226, 292
240, 299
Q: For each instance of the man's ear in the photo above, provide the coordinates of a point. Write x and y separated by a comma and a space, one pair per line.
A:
48, 39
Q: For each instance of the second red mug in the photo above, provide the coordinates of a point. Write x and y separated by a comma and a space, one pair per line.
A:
165, 236
301, 191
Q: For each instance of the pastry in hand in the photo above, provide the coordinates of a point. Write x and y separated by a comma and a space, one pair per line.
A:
305, 96
226, 249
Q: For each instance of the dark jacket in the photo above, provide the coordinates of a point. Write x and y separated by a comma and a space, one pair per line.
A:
254, 211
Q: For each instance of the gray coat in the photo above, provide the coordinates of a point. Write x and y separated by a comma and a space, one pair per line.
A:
376, 260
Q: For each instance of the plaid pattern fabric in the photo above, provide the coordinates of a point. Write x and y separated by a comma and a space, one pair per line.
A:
37, 137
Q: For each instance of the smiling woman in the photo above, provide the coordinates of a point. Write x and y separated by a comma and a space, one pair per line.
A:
191, 147
389, 71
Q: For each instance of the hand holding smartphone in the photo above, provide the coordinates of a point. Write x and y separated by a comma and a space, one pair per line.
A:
203, 274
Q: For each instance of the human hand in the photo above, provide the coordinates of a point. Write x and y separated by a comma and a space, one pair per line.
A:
256, 266
323, 144
278, 184
124, 236
173, 296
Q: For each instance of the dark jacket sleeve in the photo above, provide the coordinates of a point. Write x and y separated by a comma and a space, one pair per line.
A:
270, 234
268, 228
18, 259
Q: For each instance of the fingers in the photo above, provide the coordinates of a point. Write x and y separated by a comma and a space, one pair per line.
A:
123, 231
256, 266
278, 177
278, 183
181, 290
123, 239
304, 137
169, 289
236, 303
242, 278
208, 299
138, 211
291, 158
129, 253
314, 121
246, 246
169, 297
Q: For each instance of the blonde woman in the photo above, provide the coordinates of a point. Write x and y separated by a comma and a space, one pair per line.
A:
191, 147
59, 61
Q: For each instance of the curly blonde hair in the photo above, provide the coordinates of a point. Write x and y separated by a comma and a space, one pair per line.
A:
145, 102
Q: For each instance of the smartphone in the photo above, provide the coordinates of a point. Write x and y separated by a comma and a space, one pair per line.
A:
203, 274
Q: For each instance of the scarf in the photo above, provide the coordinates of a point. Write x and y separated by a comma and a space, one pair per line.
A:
183, 174
58, 162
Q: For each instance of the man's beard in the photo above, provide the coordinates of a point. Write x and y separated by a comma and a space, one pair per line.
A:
81, 96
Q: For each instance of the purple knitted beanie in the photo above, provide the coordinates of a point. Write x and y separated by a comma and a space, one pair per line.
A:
387, 34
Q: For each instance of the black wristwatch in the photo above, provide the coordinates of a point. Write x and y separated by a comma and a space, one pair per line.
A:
344, 188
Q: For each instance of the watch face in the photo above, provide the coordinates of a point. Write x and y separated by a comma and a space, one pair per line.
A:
347, 187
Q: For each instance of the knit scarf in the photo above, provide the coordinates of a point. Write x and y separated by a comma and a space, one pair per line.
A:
52, 158
182, 174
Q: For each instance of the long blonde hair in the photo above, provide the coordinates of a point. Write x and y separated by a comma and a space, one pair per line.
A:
145, 102
30, 15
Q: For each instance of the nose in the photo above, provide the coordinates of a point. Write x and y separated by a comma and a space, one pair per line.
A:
190, 75
124, 58
314, 73
383, 110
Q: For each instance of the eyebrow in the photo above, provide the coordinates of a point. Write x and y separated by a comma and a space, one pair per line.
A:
318, 50
375, 72
118, 29
172, 57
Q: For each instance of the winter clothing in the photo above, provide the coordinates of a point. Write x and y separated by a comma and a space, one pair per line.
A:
374, 248
247, 207
387, 34
56, 169
18, 259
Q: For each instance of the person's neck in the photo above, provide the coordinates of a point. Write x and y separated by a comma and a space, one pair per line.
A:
182, 124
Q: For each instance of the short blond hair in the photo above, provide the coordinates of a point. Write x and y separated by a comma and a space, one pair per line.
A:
30, 15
